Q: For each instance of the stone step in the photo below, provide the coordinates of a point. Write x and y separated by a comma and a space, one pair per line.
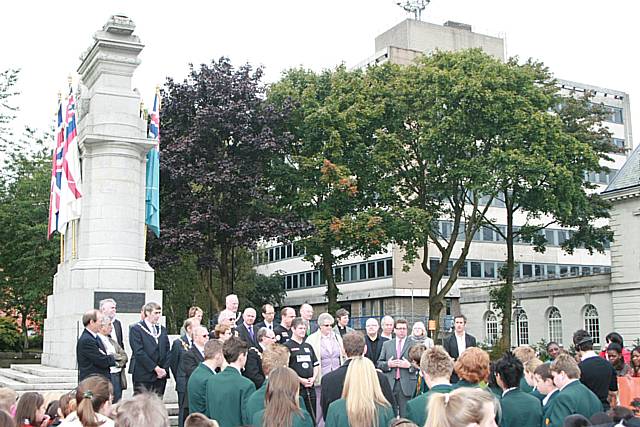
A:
42, 387
34, 379
45, 371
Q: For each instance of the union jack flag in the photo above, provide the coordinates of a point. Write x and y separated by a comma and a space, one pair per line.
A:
56, 174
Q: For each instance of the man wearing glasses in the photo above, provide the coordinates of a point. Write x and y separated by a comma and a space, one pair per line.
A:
268, 313
253, 367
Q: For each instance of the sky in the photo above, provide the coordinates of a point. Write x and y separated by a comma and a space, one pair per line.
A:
580, 40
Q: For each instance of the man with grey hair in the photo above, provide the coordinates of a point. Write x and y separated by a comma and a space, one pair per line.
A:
246, 330
108, 308
306, 312
253, 367
145, 409
373, 340
232, 303
387, 324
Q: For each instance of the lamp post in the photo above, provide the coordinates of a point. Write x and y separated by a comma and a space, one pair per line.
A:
410, 283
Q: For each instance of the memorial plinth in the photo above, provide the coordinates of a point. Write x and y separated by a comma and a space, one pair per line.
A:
110, 235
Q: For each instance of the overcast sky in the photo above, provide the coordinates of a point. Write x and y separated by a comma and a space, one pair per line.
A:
581, 40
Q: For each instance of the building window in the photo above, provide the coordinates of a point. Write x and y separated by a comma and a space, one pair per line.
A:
615, 115
491, 328
522, 323
592, 323
555, 325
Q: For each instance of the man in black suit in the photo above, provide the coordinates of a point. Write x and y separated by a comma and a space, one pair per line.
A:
179, 348
246, 330
90, 351
253, 367
150, 345
268, 314
373, 340
458, 342
188, 363
333, 382
108, 308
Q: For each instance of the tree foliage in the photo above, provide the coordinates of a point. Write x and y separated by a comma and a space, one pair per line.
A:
8, 79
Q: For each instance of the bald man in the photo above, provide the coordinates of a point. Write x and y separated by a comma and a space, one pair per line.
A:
306, 312
246, 330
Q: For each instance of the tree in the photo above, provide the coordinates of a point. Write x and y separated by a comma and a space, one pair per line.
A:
328, 179
442, 117
219, 139
8, 79
28, 260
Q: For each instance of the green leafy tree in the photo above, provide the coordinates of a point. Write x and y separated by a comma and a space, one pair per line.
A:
8, 79
328, 179
28, 260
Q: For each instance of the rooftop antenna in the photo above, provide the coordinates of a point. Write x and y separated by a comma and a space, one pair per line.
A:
414, 6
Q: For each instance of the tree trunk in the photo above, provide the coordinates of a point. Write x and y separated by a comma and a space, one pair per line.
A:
332, 288
25, 332
435, 308
225, 271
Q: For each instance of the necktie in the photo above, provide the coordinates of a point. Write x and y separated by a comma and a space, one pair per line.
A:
250, 328
271, 327
398, 356
157, 330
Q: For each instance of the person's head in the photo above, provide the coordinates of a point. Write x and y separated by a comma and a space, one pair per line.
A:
601, 418
402, 422
249, 316
436, 365
459, 323
30, 406
463, 407
8, 398
227, 318
509, 371
635, 357
415, 354
268, 313
620, 413
189, 324
564, 369
91, 320
614, 337
325, 323
287, 315
200, 336
199, 420
342, 317
362, 393
576, 420
401, 328
144, 409
213, 351
529, 369
544, 378
222, 332
235, 351
231, 303
524, 353
472, 365
196, 312
419, 330
582, 341
94, 395
6, 420
67, 404
298, 328
108, 307
106, 326
353, 344
553, 349
306, 312
143, 314
281, 397
266, 336
274, 356
372, 327
387, 324
153, 311
614, 353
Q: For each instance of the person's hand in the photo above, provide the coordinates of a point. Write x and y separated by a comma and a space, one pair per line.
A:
392, 363
160, 373
403, 363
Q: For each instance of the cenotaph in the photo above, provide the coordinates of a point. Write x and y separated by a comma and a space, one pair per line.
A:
105, 256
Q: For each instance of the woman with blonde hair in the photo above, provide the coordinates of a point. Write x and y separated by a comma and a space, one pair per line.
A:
362, 403
472, 367
464, 407
282, 402
93, 396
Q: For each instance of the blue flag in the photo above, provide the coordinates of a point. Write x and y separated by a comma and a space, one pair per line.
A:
152, 193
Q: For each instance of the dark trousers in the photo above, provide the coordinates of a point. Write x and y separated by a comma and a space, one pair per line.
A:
308, 395
181, 408
117, 387
401, 399
156, 386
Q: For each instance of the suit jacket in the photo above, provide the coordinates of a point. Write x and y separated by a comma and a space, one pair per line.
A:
333, 383
253, 367
179, 347
92, 357
450, 344
197, 389
417, 407
574, 398
263, 325
244, 335
148, 352
117, 328
337, 415
374, 347
227, 395
520, 409
190, 361
408, 376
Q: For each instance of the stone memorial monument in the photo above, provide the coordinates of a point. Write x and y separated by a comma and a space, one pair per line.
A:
105, 256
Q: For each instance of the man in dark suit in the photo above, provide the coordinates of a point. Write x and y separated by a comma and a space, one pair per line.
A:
189, 361
458, 342
394, 362
333, 382
253, 367
268, 314
246, 330
90, 352
519, 409
150, 345
108, 308
373, 340
179, 348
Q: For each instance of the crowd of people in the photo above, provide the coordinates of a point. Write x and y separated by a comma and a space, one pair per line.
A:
305, 371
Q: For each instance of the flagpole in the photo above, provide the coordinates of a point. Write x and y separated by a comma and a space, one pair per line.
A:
74, 254
61, 248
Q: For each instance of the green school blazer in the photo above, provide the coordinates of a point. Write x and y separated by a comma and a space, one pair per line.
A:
197, 388
417, 407
227, 395
337, 415
520, 409
574, 398
298, 421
